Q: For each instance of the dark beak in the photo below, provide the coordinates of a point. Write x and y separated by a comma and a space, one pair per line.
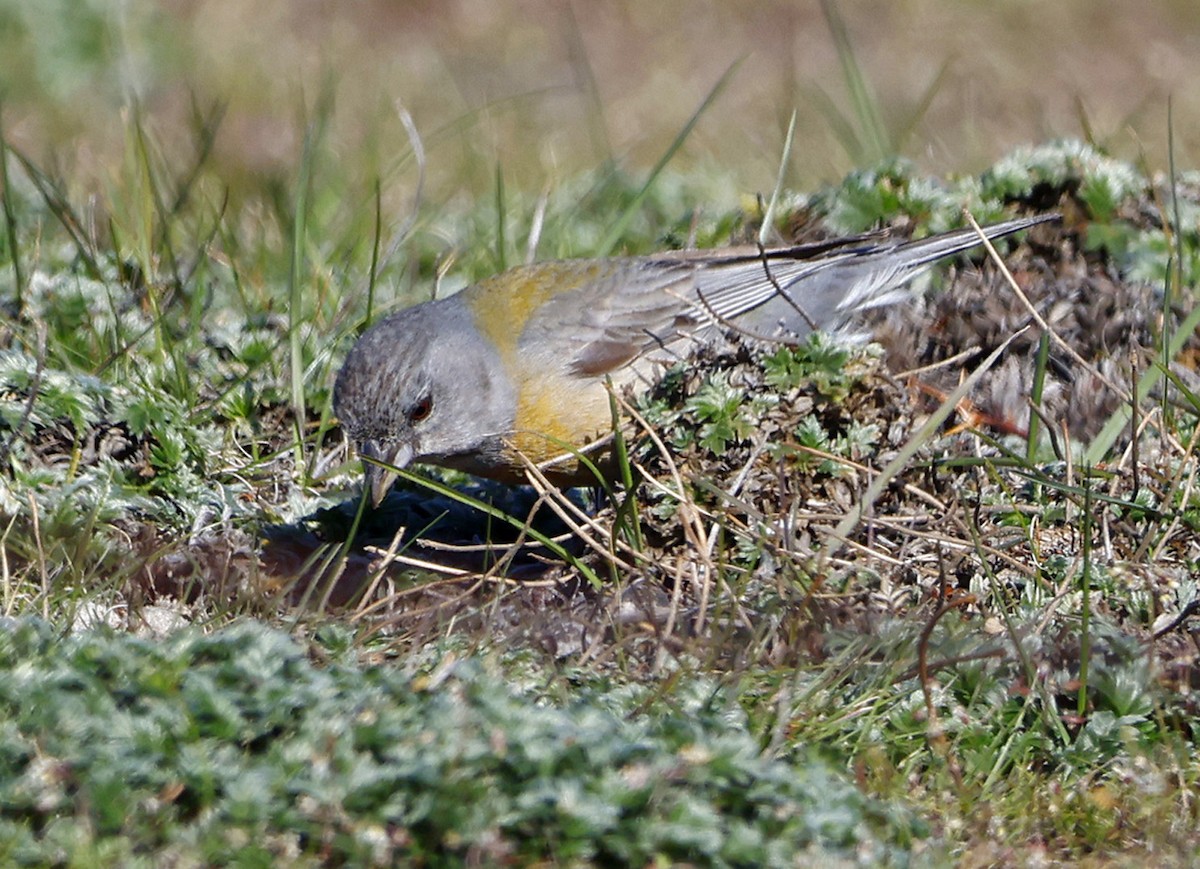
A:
378, 479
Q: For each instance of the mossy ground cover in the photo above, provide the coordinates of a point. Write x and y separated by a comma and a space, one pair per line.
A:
237, 747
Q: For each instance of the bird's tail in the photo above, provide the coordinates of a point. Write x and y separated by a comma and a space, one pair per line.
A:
874, 277
790, 291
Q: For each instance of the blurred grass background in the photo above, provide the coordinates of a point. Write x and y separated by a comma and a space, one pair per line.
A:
549, 89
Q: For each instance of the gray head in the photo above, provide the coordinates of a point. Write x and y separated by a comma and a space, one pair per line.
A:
423, 385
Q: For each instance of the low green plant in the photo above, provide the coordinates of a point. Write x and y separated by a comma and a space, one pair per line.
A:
235, 747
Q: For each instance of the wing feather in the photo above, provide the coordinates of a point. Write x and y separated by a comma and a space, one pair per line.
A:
635, 305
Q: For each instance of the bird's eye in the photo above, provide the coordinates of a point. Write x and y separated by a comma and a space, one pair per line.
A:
421, 410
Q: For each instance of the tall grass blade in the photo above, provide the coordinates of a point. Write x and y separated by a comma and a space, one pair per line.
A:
917, 113
768, 221
56, 200
1085, 589
842, 127
206, 126
1099, 448
10, 223
157, 217
1174, 282
453, 494
1041, 363
313, 135
376, 238
622, 222
501, 222
866, 107
585, 80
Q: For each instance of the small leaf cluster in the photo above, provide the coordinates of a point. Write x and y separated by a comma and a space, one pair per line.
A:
1101, 183
742, 395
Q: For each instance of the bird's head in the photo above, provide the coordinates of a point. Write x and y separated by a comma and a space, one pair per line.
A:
422, 385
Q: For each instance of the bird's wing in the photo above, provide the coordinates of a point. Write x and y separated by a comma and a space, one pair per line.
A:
627, 307
632, 306
785, 293
601, 326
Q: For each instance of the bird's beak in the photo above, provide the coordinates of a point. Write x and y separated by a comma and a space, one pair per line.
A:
377, 478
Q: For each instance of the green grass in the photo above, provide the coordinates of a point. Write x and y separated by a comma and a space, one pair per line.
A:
154, 432
151, 419
971, 657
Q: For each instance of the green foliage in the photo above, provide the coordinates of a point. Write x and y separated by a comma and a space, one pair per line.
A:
131, 448
869, 197
820, 362
1102, 186
1150, 256
143, 383
1101, 182
234, 747
727, 402
1000, 730
719, 407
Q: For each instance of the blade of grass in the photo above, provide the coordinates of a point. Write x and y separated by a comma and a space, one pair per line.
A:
627, 521
501, 241
152, 211
1174, 282
373, 272
313, 135
918, 111
453, 494
585, 80
1098, 449
158, 211
1085, 588
206, 125
1035, 394
768, 220
1192, 399
866, 107
1009, 460
841, 126
622, 222
56, 200
343, 556
10, 222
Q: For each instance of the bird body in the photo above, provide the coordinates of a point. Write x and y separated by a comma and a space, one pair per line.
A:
513, 369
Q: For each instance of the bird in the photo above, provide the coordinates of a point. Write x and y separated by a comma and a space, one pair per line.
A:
517, 368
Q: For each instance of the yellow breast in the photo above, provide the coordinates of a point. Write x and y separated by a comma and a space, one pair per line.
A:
556, 412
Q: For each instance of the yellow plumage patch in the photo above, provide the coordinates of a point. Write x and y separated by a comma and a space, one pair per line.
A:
503, 305
555, 414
